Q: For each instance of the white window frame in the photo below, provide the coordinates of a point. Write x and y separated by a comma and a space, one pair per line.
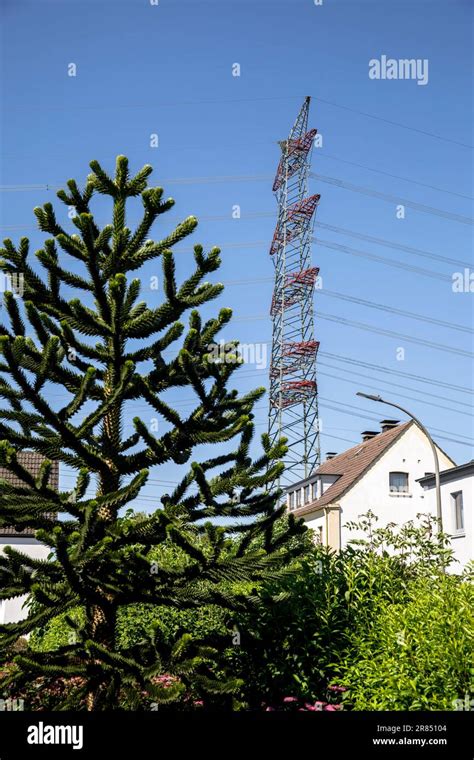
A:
397, 490
458, 530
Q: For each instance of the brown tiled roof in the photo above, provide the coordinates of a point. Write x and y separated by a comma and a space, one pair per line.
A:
32, 462
351, 465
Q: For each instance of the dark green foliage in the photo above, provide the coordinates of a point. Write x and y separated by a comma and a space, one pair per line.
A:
107, 350
341, 621
381, 630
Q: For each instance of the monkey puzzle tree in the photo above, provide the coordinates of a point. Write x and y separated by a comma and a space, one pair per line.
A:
107, 351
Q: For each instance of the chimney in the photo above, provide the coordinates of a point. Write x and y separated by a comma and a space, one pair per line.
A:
330, 454
368, 434
388, 424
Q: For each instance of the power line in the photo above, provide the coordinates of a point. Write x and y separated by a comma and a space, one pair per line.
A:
221, 101
403, 395
325, 243
466, 442
395, 176
383, 260
399, 373
205, 179
392, 198
389, 333
394, 123
321, 155
264, 243
393, 310
391, 244
153, 104
399, 385
392, 334
353, 299
218, 179
191, 401
371, 417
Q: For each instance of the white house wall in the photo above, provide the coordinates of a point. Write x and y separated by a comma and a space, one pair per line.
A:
462, 543
410, 453
11, 610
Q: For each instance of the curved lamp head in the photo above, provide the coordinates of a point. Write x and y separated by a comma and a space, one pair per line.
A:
369, 396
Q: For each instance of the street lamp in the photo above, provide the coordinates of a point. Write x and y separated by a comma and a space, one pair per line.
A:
372, 397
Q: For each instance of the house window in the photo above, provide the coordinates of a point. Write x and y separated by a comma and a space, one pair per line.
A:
298, 498
315, 490
306, 494
291, 500
398, 482
458, 509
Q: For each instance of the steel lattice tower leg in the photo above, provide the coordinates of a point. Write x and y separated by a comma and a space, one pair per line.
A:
293, 409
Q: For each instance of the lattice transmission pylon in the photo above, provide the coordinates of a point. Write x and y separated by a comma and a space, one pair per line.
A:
293, 411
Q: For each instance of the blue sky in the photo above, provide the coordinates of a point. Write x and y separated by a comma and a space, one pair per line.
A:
167, 69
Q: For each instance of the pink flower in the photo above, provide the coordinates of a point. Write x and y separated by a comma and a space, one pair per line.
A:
290, 699
337, 688
319, 705
164, 680
270, 709
311, 707
330, 707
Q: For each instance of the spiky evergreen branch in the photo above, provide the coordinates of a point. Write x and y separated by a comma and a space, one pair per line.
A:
99, 560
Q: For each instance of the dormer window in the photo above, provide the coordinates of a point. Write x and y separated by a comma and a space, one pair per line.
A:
291, 500
306, 494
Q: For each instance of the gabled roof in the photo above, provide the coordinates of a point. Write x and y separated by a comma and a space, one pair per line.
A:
352, 464
32, 462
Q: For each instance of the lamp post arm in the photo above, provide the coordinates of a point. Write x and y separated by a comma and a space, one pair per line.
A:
439, 514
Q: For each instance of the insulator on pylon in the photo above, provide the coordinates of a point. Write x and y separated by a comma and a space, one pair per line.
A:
295, 357
305, 207
297, 217
294, 153
294, 289
294, 392
303, 348
305, 277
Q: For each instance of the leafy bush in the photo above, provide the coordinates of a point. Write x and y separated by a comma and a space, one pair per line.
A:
331, 615
417, 655
379, 624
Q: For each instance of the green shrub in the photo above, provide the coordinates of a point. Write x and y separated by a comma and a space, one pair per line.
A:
330, 614
380, 618
417, 655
